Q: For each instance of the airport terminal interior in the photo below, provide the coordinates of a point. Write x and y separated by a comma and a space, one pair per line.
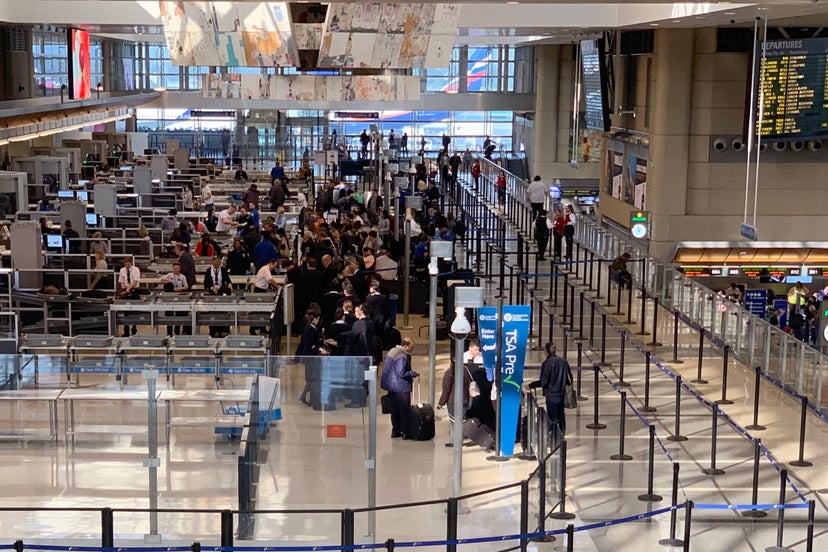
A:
248, 249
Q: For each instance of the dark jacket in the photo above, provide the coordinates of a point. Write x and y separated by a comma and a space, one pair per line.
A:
359, 339
309, 342
397, 376
555, 374
447, 394
226, 282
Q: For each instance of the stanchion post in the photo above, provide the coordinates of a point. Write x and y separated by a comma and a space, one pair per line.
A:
650, 496
655, 342
713, 470
699, 380
570, 538
647, 362
591, 262
604, 340
579, 377
227, 528
643, 330
754, 497
622, 430
780, 516
618, 301
756, 383
609, 291
672, 540
571, 307
347, 536
107, 528
581, 319
688, 517
725, 362
389, 545
629, 321
677, 436
809, 538
675, 359
195, 547
563, 514
803, 418
452, 509
591, 323
598, 285
595, 423
524, 515
621, 360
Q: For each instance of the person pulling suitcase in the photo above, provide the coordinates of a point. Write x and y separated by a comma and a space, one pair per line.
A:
397, 379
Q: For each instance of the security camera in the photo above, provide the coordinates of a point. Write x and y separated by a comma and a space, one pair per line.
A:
719, 144
815, 145
460, 326
732, 21
797, 146
779, 146
737, 144
763, 146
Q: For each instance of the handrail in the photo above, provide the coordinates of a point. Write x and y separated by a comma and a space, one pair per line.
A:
665, 281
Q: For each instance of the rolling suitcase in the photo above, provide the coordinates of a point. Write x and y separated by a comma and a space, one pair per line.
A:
477, 432
420, 423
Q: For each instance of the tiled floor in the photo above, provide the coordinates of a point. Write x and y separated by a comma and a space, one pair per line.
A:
304, 469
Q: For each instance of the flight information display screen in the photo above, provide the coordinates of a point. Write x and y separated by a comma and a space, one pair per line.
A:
793, 79
595, 86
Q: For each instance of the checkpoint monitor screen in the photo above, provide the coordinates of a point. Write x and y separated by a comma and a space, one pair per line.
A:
54, 241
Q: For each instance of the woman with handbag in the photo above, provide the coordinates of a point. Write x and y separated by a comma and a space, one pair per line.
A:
555, 375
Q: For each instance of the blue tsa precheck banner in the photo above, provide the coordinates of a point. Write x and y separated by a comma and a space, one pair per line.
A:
487, 330
515, 330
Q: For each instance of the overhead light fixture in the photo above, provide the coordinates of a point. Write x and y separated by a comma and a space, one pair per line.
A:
676, 20
730, 13
653, 24
159, 89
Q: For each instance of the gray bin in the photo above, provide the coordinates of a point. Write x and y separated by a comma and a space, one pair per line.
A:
92, 341
45, 340
192, 341
148, 340
243, 342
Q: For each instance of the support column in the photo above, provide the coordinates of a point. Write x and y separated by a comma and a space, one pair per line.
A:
545, 140
669, 133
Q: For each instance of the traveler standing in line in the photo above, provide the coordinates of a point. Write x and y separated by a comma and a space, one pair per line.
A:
447, 394
397, 378
187, 263
569, 229
476, 170
555, 373
208, 202
187, 197
542, 228
363, 142
404, 144
558, 230
500, 185
536, 192
310, 346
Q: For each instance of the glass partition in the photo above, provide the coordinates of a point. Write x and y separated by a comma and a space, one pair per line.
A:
752, 340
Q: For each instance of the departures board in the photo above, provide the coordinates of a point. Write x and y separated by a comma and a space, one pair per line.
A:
793, 79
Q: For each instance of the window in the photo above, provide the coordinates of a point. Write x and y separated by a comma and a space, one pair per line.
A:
96, 61
50, 53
